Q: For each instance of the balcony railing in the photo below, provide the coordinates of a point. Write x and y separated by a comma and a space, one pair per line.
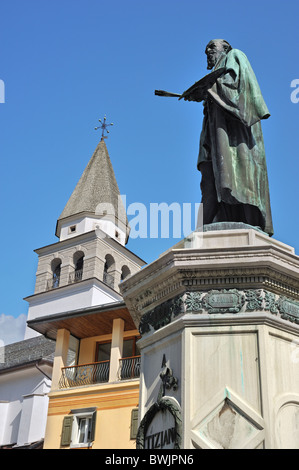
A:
76, 276
98, 372
85, 374
129, 368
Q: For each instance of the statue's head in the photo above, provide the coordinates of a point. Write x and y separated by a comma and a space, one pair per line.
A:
215, 49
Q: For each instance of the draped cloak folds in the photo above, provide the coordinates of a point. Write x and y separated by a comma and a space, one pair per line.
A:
232, 136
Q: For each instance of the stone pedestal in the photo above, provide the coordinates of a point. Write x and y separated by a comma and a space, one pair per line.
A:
219, 319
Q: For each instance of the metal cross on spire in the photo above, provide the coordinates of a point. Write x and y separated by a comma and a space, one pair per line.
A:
104, 127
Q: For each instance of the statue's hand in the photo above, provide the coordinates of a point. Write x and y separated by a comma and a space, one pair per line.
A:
188, 98
198, 95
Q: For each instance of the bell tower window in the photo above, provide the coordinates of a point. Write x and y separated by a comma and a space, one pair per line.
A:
109, 269
54, 282
78, 260
125, 272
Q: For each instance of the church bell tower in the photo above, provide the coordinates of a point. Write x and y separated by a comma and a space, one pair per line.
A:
85, 267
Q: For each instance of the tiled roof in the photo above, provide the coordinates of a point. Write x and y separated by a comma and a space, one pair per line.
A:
26, 351
97, 185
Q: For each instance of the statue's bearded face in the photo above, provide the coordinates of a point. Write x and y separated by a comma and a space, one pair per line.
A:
214, 50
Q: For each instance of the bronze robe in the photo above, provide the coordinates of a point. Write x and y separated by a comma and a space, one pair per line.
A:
232, 137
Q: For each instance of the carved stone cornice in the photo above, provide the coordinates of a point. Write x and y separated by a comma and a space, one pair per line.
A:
223, 301
185, 279
224, 261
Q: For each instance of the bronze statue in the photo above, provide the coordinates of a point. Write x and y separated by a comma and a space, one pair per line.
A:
231, 153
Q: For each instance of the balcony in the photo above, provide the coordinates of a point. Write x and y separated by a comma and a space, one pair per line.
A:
85, 374
98, 372
76, 276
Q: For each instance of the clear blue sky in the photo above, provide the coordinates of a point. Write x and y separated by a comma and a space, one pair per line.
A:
67, 63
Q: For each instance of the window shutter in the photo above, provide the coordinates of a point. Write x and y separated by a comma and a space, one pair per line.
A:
134, 423
66, 430
93, 426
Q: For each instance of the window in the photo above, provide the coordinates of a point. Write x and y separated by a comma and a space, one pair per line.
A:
109, 269
72, 229
84, 429
56, 276
102, 367
78, 260
72, 354
125, 272
103, 351
79, 264
56, 270
78, 429
130, 347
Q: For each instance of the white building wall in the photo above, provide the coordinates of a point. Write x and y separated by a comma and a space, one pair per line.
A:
33, 418
78, 296
20, 418
4, 406
88, 224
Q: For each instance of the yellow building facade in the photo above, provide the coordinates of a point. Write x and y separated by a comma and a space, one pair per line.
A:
93, 403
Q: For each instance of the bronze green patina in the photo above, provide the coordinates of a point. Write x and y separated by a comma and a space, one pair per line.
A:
219, 302
231, 156
224, 301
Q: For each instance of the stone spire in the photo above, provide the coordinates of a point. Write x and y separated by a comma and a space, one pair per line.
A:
95, 202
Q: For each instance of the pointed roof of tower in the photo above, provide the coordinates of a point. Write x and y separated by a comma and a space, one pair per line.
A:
97, 185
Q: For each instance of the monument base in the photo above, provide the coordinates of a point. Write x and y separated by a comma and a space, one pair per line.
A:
219, 319
229, 226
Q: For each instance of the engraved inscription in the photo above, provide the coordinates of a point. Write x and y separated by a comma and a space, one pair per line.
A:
225, 301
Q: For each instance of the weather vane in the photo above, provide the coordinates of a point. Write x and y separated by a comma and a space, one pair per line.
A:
103, 127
